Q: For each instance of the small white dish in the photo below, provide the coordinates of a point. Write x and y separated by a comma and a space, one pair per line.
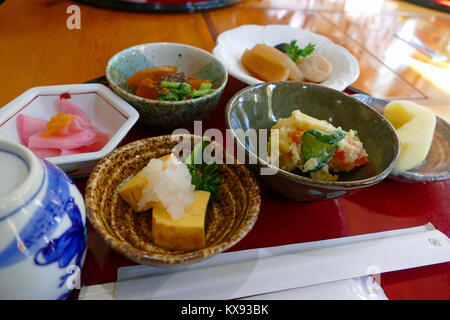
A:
108, 113
231, 44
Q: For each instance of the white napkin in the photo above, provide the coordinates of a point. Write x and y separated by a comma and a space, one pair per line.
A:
315, 267
361, 288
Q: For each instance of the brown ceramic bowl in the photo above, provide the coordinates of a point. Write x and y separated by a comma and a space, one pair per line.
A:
260, 106
230, 217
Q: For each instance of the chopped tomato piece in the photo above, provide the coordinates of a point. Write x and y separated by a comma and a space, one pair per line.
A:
360, 161
340, 154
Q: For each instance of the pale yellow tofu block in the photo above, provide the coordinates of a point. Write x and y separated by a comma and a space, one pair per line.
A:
415, 126
131, 191
186, 233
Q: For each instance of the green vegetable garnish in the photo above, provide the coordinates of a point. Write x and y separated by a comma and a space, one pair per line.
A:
205, 85
320, 146
329, 137
201, 93
205, 176
294, 52
177, 91
169, 96
172, 85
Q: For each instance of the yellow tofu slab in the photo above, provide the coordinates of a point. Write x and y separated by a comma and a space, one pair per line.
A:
131, 191
186, 233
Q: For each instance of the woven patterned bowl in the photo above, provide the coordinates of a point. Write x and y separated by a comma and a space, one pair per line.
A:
228, 219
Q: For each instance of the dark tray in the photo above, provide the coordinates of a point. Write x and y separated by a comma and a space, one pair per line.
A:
432, 4
161, 6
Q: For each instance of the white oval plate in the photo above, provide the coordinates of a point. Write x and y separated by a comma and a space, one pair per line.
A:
231, 45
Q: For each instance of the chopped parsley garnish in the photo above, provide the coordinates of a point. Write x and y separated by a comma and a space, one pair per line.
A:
294, 52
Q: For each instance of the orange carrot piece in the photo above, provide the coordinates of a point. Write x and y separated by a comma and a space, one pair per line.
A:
154, 73
196, 82
147, 89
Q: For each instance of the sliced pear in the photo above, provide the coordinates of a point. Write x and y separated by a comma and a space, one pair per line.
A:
415, 126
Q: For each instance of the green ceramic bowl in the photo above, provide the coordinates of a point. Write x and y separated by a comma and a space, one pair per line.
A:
260, 106
190, 60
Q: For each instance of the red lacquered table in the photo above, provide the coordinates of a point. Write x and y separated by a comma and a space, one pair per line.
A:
386, 206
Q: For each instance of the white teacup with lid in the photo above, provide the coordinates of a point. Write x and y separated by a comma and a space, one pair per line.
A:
42, 227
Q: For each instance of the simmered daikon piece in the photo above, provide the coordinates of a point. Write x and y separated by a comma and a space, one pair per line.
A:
269, 64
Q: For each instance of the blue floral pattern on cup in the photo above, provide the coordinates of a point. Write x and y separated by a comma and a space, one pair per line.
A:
34, 240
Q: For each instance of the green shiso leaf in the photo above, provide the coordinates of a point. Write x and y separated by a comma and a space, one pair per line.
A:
205, 176
320, 145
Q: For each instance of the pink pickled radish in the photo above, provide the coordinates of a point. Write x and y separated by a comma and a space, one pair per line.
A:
61, 137
46, 152
66, 106
78, 124
28, 125
75, 140
99, 142
68, 152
